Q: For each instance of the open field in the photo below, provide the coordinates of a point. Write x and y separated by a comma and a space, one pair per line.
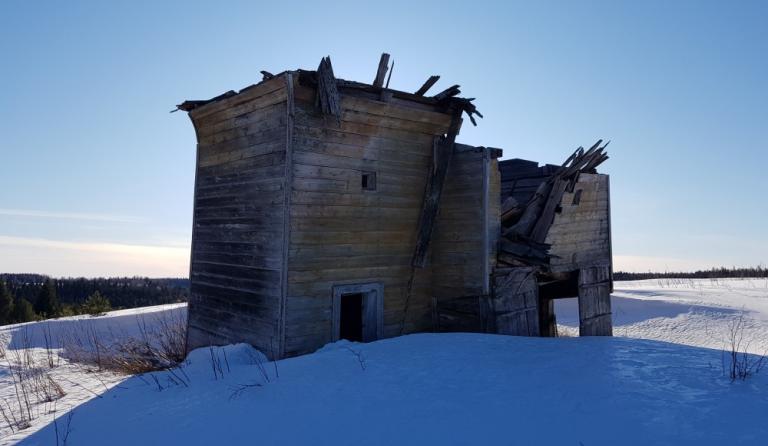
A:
697, 312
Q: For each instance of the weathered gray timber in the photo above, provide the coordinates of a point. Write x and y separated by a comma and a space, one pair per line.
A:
557, 219
238, 222
515, 303
580, 234
595, 301
463, 247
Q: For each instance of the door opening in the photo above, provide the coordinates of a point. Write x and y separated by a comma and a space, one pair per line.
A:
351, 317
358, 312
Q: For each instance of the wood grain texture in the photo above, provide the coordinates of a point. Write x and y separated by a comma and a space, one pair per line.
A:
341, 234
580, 234
595, 301
515, 302
239, 219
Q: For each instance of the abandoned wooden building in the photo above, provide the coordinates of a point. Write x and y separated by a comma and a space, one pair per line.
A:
327, 209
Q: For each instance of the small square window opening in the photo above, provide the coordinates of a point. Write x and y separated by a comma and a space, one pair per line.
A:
368, 181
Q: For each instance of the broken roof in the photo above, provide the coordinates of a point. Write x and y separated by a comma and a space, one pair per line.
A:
447, 99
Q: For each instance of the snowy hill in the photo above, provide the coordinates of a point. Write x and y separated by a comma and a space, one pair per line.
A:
438, 388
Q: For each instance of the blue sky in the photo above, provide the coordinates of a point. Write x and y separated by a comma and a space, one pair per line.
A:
97, 177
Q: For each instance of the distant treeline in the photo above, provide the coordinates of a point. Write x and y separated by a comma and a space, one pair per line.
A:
122, 292
714, 273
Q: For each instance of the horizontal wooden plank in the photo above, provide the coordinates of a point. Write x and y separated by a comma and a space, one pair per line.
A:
335, 211
341, 162
394, 109
243, 165
303, 263
242, 189
245, 114
264, 172
267, 260
258, 236
238, 155
275, 119
274, 197
418, 145
259, 274
340, 199
345, 237
306, 116
201, 113
277, 133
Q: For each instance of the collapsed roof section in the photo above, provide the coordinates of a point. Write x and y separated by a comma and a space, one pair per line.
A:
329, 87
525, 225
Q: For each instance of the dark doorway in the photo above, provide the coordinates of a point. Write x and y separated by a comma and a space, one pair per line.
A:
351, 317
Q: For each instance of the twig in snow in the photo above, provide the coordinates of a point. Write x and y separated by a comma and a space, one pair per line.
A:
359, 355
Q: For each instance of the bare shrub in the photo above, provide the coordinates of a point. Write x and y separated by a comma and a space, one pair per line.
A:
158, 346
63, 436
171, 336
216, 362
257, 359
4, 341
738, 364
31, 386
51, 356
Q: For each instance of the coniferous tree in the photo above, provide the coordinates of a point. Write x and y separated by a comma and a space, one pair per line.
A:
6, 305
96, 304
23, 311
47, 304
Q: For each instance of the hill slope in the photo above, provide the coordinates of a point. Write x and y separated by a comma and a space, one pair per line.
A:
437, 389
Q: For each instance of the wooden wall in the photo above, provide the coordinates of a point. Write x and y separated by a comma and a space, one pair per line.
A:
236, 265
580, 234
341, 234
463, 250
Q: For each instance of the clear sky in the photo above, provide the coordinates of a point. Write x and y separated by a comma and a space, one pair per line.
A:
96, 177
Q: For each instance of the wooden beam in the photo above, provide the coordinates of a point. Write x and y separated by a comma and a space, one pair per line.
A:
427, 85
443, 152
595, 301
449, 92
381, 73
391, 69
540, 230
328, 98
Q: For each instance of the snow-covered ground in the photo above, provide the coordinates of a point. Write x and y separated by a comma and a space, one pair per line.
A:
39, 346
698, 312
448, 389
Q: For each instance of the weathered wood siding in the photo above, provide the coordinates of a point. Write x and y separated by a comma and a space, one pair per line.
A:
236, 262
463, 250
580, 234
515, 303
595, 301
493, 215
342, 234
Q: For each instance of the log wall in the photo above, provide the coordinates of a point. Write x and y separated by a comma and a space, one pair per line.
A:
341, 234
238, 224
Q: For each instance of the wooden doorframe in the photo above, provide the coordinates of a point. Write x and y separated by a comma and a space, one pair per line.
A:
373, 309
